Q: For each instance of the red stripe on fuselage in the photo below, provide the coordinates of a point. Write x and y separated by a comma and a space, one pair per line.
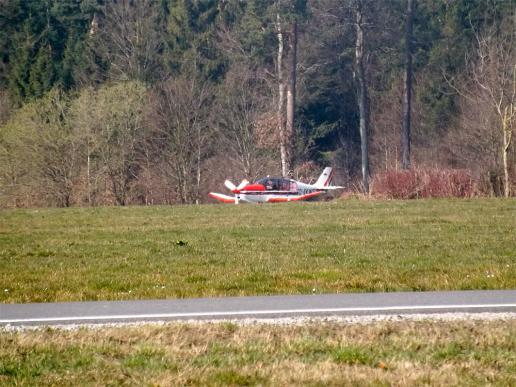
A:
253, 187
308, 196
269, 192
278, 200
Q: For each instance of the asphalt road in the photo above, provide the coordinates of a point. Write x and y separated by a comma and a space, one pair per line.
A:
350, 304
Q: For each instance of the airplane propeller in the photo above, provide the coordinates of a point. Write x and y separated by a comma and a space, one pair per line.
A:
236, 189
230, 185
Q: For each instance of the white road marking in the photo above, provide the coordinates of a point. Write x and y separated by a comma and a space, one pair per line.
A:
254, 312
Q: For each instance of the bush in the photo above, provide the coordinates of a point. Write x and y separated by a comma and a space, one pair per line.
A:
423, 183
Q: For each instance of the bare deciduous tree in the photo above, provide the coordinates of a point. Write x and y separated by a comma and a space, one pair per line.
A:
242, 101
40, 151
490, 87
129, 40
286, 91
57, 148
282, 130
15, 164
121, 130
363, 99
291, 92
407, 95
181, 122
87, 121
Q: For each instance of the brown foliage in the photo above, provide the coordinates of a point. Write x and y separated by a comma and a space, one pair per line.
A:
424, 183
266, 129
5, 106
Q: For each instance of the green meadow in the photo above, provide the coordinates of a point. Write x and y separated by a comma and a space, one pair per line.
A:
118, 253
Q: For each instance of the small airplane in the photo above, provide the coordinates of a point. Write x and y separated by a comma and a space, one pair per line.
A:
276, 190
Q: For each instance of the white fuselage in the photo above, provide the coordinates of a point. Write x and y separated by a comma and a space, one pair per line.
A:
275, 190
297, 191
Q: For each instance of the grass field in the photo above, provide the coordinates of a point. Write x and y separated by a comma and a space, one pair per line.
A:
340, 246
469, 353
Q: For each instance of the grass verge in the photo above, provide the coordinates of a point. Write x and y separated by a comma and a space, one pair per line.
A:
339, 246
385, 353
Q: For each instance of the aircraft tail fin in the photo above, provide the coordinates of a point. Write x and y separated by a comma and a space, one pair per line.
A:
325, 179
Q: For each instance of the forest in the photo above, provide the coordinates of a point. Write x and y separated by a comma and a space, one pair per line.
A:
126, 102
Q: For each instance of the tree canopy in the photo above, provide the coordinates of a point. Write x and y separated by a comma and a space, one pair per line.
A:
94, 93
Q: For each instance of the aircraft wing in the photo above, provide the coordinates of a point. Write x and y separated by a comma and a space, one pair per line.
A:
222, 198
293, 198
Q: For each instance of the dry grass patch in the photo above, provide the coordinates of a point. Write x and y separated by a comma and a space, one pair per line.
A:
330, 353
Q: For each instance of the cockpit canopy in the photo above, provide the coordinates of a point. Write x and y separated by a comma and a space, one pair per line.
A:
278, 184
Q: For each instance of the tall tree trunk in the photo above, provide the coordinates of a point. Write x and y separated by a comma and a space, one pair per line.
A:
507, 137
88, 171
407, 97
281, 100
291, 93
198, 180
363, 103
